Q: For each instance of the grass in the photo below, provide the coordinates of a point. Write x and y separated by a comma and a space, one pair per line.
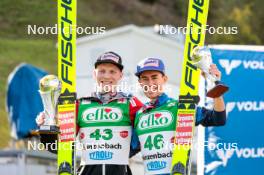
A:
15, 15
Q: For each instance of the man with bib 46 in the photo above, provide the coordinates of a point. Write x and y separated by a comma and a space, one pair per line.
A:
104, 121
155, 122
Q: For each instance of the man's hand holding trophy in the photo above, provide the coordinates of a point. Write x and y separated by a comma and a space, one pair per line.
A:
49, 89
202, 58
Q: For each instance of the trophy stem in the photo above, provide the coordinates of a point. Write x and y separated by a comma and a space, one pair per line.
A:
218, 90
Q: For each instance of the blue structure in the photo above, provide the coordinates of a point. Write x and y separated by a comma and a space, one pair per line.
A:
23, 99
241, 142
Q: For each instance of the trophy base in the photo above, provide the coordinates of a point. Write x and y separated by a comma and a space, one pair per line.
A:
48, 129
218, 90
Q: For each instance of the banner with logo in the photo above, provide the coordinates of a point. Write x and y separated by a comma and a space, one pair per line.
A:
238, 147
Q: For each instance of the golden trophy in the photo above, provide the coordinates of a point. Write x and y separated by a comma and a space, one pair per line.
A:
49, 89
202, 58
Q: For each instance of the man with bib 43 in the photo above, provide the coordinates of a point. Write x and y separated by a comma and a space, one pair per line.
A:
155, 122
104, 121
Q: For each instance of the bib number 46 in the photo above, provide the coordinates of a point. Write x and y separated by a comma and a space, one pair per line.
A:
156, 142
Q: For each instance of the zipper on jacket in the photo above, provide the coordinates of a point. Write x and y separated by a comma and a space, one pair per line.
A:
103, 169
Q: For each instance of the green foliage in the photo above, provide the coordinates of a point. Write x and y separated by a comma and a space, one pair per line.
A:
247, 15
241, 14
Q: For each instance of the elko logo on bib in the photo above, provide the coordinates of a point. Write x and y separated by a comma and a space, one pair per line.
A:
155, 120
102, 114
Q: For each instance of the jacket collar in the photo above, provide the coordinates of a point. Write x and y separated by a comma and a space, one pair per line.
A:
108, 97
161, 100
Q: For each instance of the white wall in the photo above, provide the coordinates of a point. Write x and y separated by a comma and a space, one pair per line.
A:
132, 47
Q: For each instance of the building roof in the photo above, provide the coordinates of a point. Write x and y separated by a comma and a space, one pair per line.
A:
129, 29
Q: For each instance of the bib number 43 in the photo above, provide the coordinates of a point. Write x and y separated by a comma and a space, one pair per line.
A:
105, 134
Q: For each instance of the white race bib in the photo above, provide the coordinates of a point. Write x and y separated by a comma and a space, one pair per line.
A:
105, 145
156, 149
